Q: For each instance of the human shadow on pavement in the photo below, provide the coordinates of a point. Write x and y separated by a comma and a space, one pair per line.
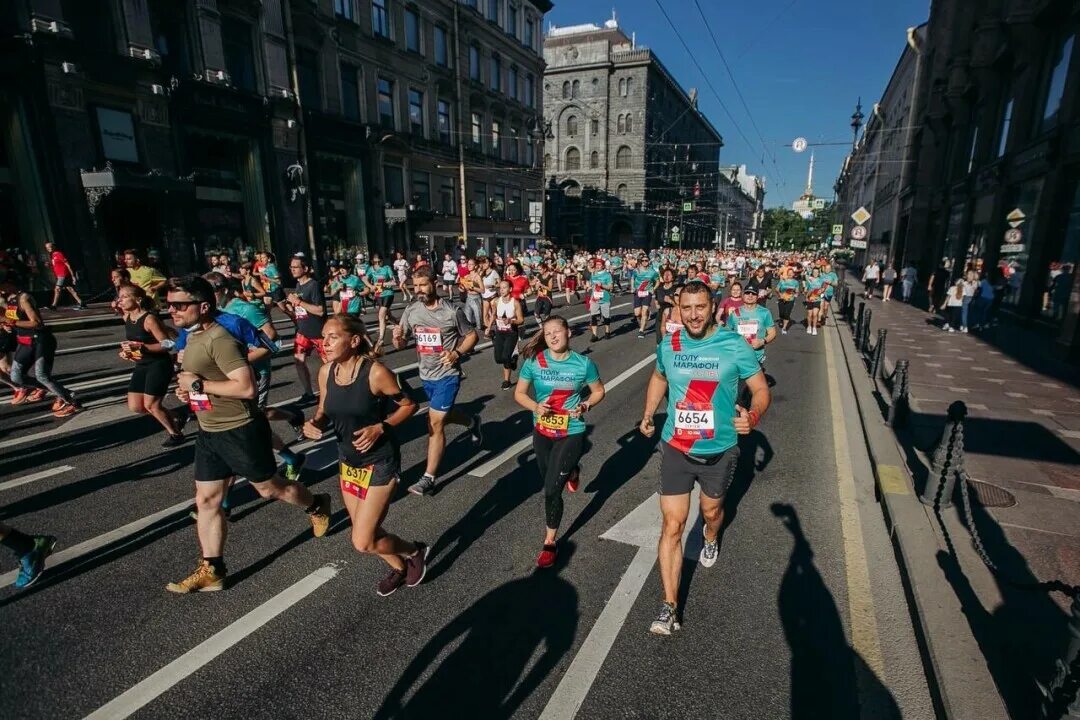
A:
829, 679
491, 669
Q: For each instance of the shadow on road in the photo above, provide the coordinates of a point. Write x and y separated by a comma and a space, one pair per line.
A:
828, 677
492, 669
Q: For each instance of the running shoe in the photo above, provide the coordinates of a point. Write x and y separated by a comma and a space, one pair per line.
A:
783, 332
320, 519
307, 398
641, 334
37, 395
547, 556
293, 470
390, 583
181, 416
423, 486
19, 397
666, 621
476, 430
573, 479
416, 565
57, 404
204, 579
173, 440
80, 306
68, 408
709, 550
593, 338
32, 564
507, 385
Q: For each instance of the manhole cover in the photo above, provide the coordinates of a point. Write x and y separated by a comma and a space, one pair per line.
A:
989, 495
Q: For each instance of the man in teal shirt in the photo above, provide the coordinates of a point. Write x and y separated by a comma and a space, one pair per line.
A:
643, 281
600, 284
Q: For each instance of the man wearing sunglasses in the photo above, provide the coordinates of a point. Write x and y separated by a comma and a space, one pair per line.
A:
234, 437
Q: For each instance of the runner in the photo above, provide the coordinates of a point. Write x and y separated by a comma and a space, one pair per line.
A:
754, 322
443, 336
570, 284
812, 289
471, 286
401, 267
504, 330
65, 277
830, 282
271, 280
234, 438
252, 287
557, 375
787, 289
449, 275
519, 284
542, 285
600, 285
699, 368
354, 395
145, 276
380, 283
31, 550
643, 281
732, 301
491, 280
35, 350
147, 346
307, 306
350, 291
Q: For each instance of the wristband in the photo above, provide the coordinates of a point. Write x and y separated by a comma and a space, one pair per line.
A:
386, 427
167, 344
755, 418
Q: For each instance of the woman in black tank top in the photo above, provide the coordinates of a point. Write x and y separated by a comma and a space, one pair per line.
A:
147, 345
35, 349
362, 401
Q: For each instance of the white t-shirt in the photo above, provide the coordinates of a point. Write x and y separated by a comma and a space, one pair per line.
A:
449, 271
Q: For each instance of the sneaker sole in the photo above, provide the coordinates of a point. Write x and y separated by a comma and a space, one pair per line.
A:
657, 629
423, 573
216, 587
706, 563
380, 593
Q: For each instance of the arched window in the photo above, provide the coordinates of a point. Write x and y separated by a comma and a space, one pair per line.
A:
621, 192
566, 90
622, 124
571, 125
622, 158
575, 88
629, 86
573, 159
629, 122
594, 160
547, 162
595, 126
622, 86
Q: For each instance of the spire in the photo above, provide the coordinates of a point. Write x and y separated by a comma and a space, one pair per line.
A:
810, 176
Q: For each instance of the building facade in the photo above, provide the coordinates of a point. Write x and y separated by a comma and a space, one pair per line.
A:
194, 126
628, 155
740, 207
991, 173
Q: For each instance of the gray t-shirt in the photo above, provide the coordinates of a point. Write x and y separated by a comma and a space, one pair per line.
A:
436, 330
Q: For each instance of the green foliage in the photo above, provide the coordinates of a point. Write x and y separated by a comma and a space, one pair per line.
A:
784, 228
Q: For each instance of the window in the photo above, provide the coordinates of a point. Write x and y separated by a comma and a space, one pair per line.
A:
493, 10
386, 102
380, 19
1006, 124
474, 63
530, 96
511, 20
512, 82
393, 181
595, 126
566, 90
622, 158
307, 73
594, 160
629, 122
575, 89
498, 203
476, 131
496, 139
412, 30
515, 154
621, 124
573, 159
479, 200
530, 151
444, 122
239, 46
345, 9
620, 192
1055, 87
416, 112
447, 199
516, 209
92, 24
530, 30
571, 126
442, 54
547, 162
496, 72
421, 190
350, 92
622, 86
629, 86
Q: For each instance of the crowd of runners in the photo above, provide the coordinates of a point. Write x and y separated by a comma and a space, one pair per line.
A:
210, 339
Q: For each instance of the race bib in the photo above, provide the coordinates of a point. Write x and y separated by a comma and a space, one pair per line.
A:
378, 288
200, 402
428, 341
672, 327
347, 295
643, 293
694, 420
300, 312
553, 424
748, 329
598, 294
503, 324
11, 313
355, 480
135, 350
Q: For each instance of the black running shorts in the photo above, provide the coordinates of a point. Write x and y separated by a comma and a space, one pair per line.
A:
151, 378
245, 451
714, 473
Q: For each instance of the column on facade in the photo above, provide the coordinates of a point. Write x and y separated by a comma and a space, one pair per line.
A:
35, 226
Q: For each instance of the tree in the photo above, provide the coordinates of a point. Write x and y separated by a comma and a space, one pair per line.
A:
784, 228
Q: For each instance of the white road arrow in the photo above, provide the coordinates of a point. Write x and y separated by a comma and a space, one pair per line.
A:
640, 528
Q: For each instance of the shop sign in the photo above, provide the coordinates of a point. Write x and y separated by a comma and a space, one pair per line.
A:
117, 132
1012, 248
858, 244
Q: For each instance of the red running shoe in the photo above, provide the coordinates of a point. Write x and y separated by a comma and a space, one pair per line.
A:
547, 556
573, 480
37, 395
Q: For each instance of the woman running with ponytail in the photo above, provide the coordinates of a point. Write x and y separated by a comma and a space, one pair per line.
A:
363, 402
504, 329
557, 375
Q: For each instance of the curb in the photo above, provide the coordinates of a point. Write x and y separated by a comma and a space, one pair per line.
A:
956, 670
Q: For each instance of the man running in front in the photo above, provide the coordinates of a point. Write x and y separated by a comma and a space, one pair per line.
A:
234, 437
699, 368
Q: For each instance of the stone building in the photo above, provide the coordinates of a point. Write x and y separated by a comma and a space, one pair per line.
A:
741, 208
189, 126
627, 147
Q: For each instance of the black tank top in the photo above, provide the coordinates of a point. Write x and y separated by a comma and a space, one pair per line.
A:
354, 406
136, 332
27, 335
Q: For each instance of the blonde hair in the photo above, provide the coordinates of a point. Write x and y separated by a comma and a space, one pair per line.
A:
355, 326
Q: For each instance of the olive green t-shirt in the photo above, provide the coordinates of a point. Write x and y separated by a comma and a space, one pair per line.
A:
212, 354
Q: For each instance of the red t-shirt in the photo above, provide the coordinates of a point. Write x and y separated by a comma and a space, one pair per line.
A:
59, 264
518, 285
727, 305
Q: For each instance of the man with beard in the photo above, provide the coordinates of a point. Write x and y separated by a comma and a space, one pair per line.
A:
699, 368
443, 336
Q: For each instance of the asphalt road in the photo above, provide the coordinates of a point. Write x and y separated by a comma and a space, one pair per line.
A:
789, 623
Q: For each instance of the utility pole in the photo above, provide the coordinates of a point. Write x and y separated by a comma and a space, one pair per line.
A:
460, 132
301, 132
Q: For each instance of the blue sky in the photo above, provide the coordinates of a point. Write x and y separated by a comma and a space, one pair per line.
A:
800, 64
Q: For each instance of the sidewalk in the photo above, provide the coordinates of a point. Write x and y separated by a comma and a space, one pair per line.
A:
1022, 449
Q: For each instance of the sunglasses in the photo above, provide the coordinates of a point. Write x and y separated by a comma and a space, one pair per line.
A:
181, 304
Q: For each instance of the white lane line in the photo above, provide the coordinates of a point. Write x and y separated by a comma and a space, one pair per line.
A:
87, 348
130, 701
36, 476
520, 445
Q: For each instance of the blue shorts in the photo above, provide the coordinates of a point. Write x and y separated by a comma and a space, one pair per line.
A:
442, 392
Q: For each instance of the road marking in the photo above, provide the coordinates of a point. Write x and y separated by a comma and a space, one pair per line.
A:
132, 700
512, 451
864, 632
87, 348
36, 476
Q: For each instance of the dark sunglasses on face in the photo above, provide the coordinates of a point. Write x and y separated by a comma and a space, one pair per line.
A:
181, 304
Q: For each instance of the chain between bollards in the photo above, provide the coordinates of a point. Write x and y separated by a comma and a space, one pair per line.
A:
947, 455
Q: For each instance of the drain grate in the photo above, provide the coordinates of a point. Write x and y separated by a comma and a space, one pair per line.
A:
989, 495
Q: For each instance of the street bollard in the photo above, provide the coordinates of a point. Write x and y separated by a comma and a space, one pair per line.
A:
947, 461
879, 353
858, 323
865, 335
843, 300
1062, 701
898, 409
850, 305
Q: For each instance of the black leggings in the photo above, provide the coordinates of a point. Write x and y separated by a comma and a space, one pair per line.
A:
784, 307
504, 343
556, 459
543, 307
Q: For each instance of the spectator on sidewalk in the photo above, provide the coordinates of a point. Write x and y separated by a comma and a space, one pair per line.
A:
939, 283
871, 276
971, 285
888, 279
908, 277
65, 277
953, 305
980, 304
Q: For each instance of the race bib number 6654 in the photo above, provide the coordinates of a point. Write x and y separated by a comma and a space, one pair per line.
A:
694, 420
